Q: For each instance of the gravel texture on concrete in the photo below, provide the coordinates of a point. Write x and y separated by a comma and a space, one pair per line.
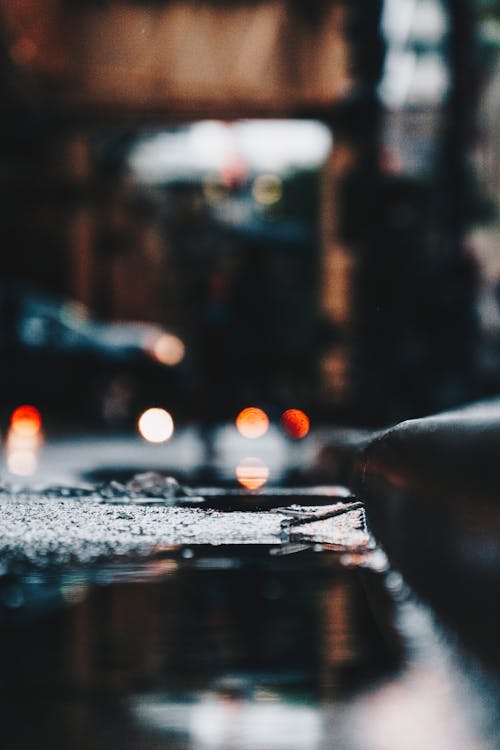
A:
43, 530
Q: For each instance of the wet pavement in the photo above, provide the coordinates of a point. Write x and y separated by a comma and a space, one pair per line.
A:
231, 647
129, 621
44, 530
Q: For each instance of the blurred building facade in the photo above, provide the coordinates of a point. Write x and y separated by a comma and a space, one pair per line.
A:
396, 286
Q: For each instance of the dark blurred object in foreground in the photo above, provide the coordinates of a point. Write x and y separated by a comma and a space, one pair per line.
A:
431, 488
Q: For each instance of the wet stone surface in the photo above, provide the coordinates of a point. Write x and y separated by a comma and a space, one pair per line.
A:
59, 525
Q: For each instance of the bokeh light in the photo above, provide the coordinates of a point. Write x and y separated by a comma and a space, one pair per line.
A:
252, 473
26, 420
267, 189
24, 440
168, 349
252, 422
295, 423
156, 425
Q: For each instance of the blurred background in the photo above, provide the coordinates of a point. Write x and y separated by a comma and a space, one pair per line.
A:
232, 232
281, 205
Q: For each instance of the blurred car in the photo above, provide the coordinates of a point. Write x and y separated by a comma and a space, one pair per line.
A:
78, 369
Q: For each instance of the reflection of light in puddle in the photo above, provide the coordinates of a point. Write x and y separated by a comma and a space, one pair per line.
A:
252, 422
252, 473
74, 593
156, 425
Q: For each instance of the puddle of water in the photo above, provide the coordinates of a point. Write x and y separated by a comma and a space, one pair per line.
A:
234, 649
205, 648
147, 625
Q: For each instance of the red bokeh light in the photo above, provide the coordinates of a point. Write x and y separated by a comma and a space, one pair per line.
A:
26, 420
295, 423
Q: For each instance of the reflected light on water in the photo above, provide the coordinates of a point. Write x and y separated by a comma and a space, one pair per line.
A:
252, 473
156, 425
295, 423
168, 349
252, 422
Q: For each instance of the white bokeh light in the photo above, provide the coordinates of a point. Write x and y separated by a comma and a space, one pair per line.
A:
156, 425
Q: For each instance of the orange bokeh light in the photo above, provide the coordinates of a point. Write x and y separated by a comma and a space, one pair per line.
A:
295, 423
252, 422
26, 421
252, 473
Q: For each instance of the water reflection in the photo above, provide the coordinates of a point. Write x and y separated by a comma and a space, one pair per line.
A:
252, 473
191, 656
233, 650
